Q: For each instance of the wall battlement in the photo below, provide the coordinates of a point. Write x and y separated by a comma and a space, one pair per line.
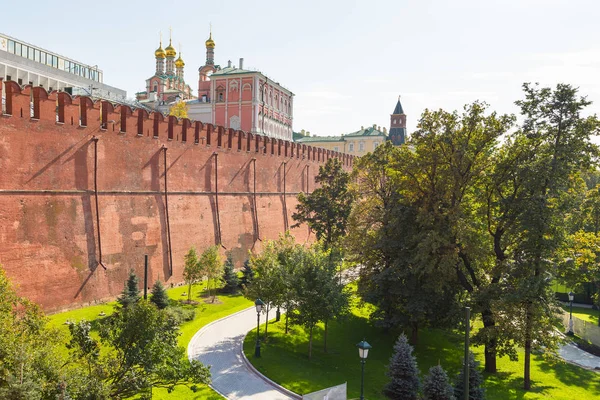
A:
88, 188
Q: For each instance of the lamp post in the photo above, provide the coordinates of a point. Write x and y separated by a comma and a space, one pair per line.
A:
363, 352
571, 297
259, 305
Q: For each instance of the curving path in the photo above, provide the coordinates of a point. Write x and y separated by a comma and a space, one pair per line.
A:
219, 345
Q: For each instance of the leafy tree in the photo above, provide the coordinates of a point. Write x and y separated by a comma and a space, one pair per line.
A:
313, 278
247, 275
179, 109
403, 373
436, 385
137, 351
131, 292
212, 267
285, 248
30, 360
476, 392
327, 208
192, 271
267, 282
230, 277
159, 295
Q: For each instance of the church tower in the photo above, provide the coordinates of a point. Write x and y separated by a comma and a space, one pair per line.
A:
170, 53
160, 59
398, 125
210, 50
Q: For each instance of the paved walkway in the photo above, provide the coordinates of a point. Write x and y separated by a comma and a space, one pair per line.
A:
219, 345
573, 354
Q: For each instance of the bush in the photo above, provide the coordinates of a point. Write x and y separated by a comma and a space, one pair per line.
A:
159, 295
181, 314
436, 385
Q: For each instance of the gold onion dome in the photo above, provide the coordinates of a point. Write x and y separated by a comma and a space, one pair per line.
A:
170, 50
179, 62
159, 53
210, 42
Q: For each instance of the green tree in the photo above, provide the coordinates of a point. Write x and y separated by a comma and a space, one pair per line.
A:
247, 275
30, 361
230, 277
436, 385
192, 271
403, 373
131, 292
130, 360
179, 109
327, 208
212, 267
159, 295
476, 392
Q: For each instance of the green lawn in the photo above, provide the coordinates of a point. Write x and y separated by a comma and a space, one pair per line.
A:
284, 359
205, 313
586, 314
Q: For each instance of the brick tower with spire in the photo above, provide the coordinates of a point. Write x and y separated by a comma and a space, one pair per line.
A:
398, 125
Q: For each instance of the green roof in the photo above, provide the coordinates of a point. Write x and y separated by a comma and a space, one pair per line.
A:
370, 131
232, 71
311, 139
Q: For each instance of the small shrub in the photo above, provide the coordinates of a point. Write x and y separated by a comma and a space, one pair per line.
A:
181, 314
436, 385
159, 295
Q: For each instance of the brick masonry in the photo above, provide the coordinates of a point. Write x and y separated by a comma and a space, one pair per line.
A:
50, 145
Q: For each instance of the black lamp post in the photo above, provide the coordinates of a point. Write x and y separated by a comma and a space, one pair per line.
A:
259, 305
571, 297
363, 352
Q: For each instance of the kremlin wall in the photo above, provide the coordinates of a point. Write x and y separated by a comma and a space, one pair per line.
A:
88, 188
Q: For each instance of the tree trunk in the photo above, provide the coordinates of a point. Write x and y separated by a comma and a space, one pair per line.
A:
489, 322
414, 334
310, 343
190, 292
287, 311
325, 346
528, 340
267, 324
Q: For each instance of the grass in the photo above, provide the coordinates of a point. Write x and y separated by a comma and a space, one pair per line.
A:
205, 313
284, 360
586, 314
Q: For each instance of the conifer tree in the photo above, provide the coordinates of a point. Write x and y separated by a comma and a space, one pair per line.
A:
247, 274
159, 295
476, 392
436, 385
403, 373
230, 277
131, 292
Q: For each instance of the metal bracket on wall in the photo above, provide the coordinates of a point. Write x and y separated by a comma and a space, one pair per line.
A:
164, 148
95, 140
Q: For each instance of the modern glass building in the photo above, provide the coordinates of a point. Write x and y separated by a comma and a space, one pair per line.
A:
26, 64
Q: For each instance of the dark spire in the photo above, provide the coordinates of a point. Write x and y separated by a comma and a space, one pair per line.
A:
398, 109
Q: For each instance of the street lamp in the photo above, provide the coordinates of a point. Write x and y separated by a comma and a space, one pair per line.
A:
571, 297
363, 352
259, 305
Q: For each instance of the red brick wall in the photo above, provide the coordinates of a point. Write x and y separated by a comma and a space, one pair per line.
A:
48, 230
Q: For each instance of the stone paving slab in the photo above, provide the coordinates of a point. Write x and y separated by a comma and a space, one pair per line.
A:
218, 345
573, 354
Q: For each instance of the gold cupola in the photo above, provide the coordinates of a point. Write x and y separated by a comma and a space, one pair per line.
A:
159, 53
179, 62
210, 43
170, 50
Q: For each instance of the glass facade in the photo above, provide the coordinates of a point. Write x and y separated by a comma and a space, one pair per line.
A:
52, 60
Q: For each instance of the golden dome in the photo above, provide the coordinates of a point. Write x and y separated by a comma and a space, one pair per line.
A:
159, 53
179, 62
210, 43
170, 50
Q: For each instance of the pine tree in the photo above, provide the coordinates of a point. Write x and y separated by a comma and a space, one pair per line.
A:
230, 277
247, 274
131, 291
436, 385
159, 295
476, 392
403, 372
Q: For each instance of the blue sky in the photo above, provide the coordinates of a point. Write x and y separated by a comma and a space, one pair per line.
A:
346, 61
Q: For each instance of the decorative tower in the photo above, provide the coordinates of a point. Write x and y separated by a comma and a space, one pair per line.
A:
179, 64
398, 125
210, 50
170, 53
160, 59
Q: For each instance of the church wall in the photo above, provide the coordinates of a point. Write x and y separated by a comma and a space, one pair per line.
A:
48, 221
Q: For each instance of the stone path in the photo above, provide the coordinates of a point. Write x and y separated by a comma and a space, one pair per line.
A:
219, 345
573, 354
